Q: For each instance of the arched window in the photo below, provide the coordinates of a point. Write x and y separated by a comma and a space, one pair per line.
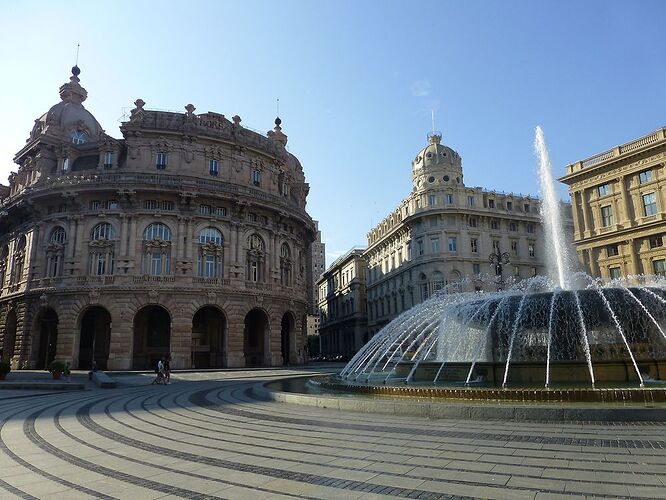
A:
211, 253
256, 255
157, 231
438, 282
55, 252
285, 265
103, 231
102, 249
157, 249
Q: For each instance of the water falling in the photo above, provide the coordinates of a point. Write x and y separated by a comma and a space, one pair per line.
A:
556, 244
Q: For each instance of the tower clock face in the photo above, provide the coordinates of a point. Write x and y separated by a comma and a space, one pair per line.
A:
79, 137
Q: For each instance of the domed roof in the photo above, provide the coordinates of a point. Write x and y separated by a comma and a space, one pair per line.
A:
69, 117
436, 154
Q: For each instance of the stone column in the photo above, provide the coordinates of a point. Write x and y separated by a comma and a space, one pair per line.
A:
123, 235
78, 255
132, 238
587, 228
181, 236
635, 261
627, 220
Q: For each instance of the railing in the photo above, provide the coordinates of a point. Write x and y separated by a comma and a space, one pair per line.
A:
153, 279
258, 286
652, 138
210, 281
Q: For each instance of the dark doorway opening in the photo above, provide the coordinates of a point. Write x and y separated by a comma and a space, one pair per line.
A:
152, 337
95, 340
255, 338
208, 326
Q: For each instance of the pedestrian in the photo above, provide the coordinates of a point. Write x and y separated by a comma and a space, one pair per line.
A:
159, 372
67, 373
167, 370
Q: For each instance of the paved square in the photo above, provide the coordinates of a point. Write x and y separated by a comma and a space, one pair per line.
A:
206, 436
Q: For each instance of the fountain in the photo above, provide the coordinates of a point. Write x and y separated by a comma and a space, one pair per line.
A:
565, 336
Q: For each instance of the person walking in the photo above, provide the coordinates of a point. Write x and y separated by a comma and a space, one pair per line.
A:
167, 370
159, 372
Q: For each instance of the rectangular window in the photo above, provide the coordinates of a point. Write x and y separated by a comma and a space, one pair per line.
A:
256, 177
252, 217
516, 271
509, 205
221, 211
526, 207
603, 190
95, 205
514, 248
65, 164
449, 199
612, 251
417, 203
494, 224
529, 228
534, 271
474, 245
606, 216
476, 268
108, 159
470, 201
645, 176
512, 226
432, 200
212, 167
496, 246
659, 267
434, 245
150, 204
419, 247
453, 244
656, 241
205, 209
491, 203
649, 204
530, 250
615, 273
155, 263
161, 161
111, 205
166, 205
433, 221
472, 222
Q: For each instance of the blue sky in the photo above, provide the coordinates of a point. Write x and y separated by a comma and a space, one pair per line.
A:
357, 81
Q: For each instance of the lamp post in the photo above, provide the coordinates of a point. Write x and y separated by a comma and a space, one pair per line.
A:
499, 260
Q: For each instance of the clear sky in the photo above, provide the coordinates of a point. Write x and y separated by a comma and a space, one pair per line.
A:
356, 82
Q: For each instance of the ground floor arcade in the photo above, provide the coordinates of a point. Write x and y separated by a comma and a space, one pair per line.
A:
120, 331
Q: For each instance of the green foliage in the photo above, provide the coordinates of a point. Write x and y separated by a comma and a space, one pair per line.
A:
56, 366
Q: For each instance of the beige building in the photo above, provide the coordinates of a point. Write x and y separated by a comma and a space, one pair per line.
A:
619, 208
187, 236
342, 306
442, 234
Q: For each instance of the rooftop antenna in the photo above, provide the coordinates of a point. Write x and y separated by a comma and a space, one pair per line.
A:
278, 107
77, 54
432, 115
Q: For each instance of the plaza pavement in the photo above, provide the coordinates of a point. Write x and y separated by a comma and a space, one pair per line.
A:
206, 436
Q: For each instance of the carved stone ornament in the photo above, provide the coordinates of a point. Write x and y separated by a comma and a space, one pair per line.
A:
211, 295
153, 295
93, 295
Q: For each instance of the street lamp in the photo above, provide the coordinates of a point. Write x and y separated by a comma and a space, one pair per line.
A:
499, 260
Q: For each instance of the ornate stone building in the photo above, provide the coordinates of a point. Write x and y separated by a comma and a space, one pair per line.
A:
619, 208
342, 306
187, 236
442, 234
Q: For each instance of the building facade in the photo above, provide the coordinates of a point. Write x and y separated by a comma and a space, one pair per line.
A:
441, 236
342, 306
188, 236
619, 208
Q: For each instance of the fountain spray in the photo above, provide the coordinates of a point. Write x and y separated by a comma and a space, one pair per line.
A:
556, 244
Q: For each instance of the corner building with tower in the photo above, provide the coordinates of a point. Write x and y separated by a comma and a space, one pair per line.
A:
186, 237
441, 237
